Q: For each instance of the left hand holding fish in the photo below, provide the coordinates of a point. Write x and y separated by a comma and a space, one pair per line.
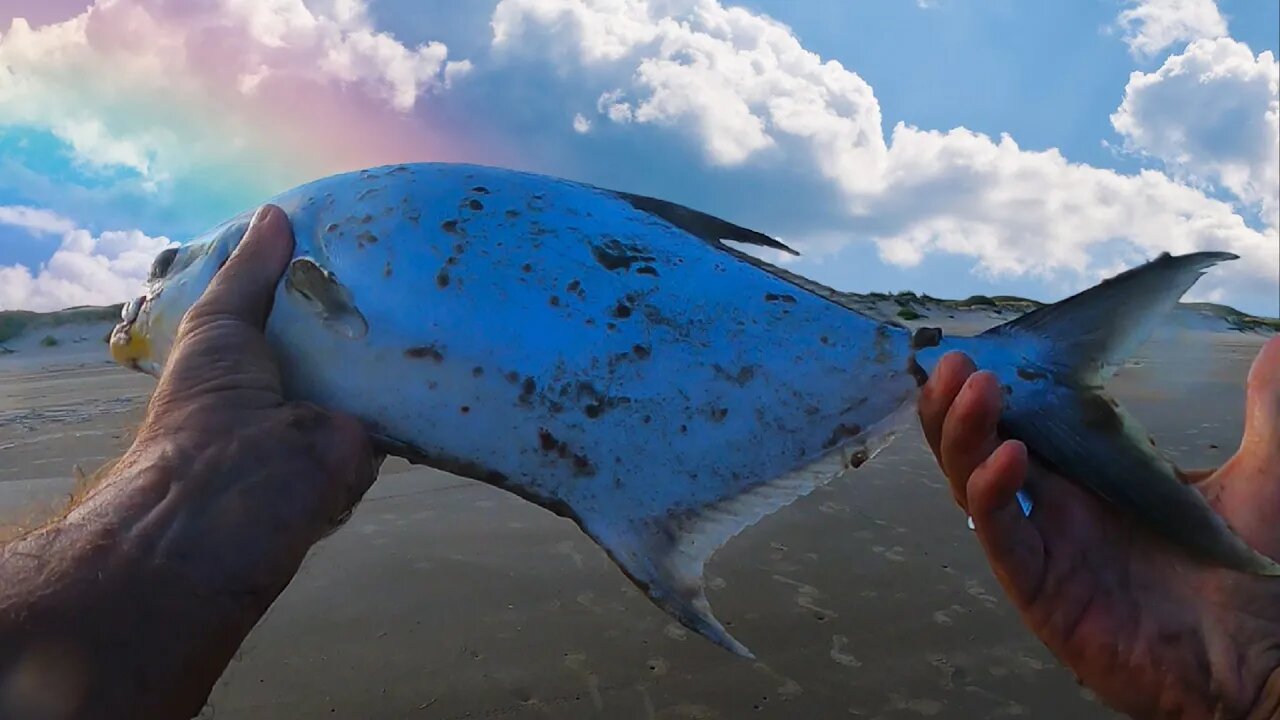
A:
1152, 633
134, 602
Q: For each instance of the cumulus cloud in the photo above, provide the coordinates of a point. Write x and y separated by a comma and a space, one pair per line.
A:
1152, 25
85, 270
743, 89
164, 88
1211, 114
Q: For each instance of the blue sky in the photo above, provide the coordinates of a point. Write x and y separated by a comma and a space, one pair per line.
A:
146, 142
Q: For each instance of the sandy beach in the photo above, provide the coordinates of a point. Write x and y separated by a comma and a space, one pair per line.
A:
444, 598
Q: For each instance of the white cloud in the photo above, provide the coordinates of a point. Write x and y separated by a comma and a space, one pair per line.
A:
1153, 25
581, 124
1212, 115
35, 220
162, 88
743, 88
85, 270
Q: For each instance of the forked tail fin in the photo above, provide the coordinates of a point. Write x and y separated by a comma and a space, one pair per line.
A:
1058, 408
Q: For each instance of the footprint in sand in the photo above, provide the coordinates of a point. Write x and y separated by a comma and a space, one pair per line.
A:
566, 548
838, 643
805, 595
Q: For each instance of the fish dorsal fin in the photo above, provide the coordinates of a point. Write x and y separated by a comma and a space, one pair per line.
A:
713, 230
1095, 331
699, 224
665, 556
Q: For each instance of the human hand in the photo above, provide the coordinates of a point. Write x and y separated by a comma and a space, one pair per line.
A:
164, 567
1152, 632
255, 480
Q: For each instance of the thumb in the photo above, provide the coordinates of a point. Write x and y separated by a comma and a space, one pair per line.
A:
1262, 405
245, 286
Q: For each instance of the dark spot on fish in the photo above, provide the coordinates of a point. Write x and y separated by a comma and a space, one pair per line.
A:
513, 377
775, 297
640, 351
582, 465
477, 371
366, 219
744, 375
824, 340
1212, 446
573, 286
527, 390
555, 301
430, 352
611, 326
366, 238
859, 458
450, 226
647, 270
547, 441
926, 337
512, 213
1030, 375
442, 278
593, 411
451, 260
386, 270
465, 409
411, 214
646, 419
480, 189
459, 248
331, 227
622, 310
527, 267
719, 414
475, 205
842, 432
684, 429
615, 255
812, 410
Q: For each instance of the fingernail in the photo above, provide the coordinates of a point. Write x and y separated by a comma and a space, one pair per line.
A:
258, 216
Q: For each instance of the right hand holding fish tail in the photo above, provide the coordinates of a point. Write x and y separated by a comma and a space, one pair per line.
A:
1153, 633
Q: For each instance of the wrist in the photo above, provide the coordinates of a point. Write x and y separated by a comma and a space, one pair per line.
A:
105, 616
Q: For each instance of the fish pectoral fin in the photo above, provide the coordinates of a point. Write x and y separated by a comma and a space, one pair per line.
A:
326, 296
1088, 438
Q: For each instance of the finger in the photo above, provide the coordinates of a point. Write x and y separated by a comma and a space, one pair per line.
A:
1012, 542
1261, 440
245, 286
353, 466
939, 393
969, 431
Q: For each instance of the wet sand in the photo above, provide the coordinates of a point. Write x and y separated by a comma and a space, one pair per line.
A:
444, 598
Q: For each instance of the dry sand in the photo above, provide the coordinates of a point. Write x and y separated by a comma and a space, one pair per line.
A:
444, 598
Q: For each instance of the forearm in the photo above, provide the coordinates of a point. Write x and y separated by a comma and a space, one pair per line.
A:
102, 616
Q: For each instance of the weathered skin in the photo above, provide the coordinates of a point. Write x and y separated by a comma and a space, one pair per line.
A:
574, 346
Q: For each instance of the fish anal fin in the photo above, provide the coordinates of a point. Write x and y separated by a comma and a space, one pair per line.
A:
665, 555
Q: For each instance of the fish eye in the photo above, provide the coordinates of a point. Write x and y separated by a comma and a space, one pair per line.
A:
164, 261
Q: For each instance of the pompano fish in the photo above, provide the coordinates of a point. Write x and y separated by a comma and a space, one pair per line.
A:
613, 359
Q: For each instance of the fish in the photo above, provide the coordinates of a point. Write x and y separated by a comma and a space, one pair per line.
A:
625, 362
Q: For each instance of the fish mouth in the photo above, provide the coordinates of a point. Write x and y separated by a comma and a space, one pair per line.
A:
129, 344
